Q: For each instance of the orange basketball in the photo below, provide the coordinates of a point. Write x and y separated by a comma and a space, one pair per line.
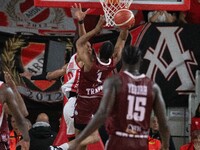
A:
124, 18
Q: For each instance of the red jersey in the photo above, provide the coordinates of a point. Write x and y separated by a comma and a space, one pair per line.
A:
91, 83
73, 74
130, 116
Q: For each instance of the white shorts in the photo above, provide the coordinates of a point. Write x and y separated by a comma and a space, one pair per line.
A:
68, 112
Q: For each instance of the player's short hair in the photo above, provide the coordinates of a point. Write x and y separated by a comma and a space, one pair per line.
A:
106, 50
131, 54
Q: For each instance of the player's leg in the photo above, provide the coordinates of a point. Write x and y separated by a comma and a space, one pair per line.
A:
68, 112
82, 115
93, 138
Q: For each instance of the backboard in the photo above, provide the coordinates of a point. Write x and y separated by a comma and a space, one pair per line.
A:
136, 4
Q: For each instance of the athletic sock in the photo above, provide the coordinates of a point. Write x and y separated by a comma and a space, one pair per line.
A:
64, 146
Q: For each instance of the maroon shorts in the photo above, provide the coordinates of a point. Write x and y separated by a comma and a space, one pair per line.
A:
124, 143
84, 109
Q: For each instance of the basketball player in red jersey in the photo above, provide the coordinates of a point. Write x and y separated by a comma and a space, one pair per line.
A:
126, 106
70, 91
8, 97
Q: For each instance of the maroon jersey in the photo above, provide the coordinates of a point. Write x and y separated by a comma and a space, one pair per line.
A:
130, 116
91, 83
90, 91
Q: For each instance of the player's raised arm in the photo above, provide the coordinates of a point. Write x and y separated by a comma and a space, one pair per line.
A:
83, 46
120, 45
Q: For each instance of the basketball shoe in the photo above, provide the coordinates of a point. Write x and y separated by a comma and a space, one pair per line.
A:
54, 148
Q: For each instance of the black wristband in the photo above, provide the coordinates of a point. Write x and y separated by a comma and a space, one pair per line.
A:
81, 21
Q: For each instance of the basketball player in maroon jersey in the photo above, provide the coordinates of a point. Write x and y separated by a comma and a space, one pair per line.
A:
72, 71
93, 73
126, 106
7, 96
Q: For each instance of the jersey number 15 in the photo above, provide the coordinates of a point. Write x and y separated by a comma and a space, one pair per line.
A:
136, 108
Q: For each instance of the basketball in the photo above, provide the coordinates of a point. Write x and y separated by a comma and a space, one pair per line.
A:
124, 18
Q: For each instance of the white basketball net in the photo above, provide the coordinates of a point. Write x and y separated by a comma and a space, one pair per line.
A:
110, 7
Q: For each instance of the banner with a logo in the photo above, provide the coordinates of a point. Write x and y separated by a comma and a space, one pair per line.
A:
23, 16
28, 53
171, 58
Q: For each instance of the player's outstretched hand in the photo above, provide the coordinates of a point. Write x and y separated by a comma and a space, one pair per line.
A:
78, 13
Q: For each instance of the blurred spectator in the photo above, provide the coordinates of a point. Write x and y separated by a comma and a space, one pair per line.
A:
154, 132
162, 16
192, 16
15, 134
41, 134
195, 136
